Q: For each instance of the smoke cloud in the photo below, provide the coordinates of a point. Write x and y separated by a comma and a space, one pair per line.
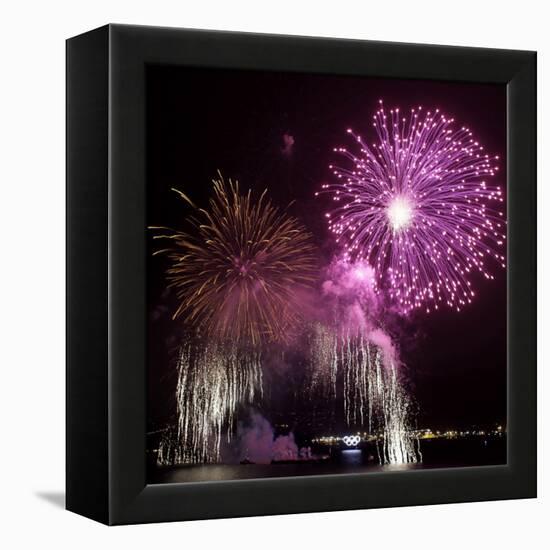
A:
257, 443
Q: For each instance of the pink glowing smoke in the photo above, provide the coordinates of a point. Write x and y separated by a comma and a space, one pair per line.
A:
288, 145
257, 442
350, 291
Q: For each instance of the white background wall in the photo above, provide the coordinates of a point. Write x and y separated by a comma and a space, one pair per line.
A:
32, 133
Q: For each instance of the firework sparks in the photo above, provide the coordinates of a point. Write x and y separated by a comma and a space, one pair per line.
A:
213, 381
372, 393
325, 359
351, 354
241, 275
417, 205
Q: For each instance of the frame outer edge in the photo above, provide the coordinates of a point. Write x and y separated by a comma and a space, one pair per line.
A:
86, 276
522, 260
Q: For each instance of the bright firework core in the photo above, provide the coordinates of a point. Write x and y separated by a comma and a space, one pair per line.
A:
400, 212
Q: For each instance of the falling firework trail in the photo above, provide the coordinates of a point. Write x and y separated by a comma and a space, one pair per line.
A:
418, 206
398, 443
372, 392
325, 358
213, 381
241, 275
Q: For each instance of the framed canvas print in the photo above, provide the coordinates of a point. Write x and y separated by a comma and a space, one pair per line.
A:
301, 274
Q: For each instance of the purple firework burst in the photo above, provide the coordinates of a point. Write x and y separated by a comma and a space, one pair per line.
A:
417, 206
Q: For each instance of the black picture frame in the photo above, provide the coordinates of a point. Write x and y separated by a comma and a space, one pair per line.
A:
106, 274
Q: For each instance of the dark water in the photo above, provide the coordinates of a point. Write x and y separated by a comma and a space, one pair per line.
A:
440, 453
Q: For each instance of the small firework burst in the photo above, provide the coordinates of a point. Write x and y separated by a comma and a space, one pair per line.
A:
418, 205
241, 273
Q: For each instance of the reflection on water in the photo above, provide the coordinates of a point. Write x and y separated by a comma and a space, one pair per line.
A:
352, 457
350, 464
436, 454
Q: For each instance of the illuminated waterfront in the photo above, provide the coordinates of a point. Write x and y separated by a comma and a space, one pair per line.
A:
443, 449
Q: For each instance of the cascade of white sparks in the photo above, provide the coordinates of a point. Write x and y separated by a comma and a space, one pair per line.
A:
212, 383
372, 393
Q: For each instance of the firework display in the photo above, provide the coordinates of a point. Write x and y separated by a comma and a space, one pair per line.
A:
289, 326
239, 277
238, 280
353, 361
373, 396
420, 206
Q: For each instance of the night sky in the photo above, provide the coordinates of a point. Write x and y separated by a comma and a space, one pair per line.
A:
203, 120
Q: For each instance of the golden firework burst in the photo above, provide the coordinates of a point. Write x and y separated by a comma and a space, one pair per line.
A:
242, 271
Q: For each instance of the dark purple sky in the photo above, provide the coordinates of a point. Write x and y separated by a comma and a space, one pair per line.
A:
202, 120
